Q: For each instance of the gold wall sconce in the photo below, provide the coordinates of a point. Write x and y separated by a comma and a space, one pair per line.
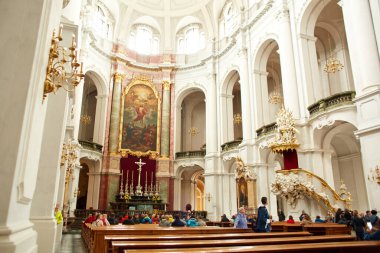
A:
63, 67
208, 196
374, 175
237, 119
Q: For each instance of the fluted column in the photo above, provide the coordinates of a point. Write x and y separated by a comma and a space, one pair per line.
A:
115, 113
288, 70
362, 45
165, 120
245, 99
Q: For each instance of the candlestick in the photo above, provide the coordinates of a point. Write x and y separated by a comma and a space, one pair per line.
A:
132, 178
126, 183
60, 31
151, 181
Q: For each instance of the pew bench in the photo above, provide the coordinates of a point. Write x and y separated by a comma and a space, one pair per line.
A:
110, 238
326, 247
119, 246
96, 243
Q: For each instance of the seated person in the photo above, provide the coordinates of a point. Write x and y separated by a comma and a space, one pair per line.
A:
319, 220
290, 220
177, 222
192, 222
129, 221
155, 219
146, 219
201, 222
306, 220
164, 222
224, 218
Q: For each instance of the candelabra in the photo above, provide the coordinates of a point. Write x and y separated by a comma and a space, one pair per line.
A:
85, 119
333, 65
62, 69
275, 98
237, 119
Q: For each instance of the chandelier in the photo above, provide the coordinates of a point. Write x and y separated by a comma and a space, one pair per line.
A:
63, 67
333, 65
237, 119
275, 98
193, 131
85, 119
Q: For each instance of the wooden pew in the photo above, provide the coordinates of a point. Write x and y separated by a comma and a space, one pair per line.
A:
119, 246
327, 247
97, 234
282, 226
327, 229
110, 238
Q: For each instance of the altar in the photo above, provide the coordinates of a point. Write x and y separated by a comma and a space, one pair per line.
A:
138, 191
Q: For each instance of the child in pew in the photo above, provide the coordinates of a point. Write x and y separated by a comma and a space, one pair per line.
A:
290, 220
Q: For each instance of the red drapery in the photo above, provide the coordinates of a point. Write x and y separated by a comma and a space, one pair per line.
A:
129, 167
290, 159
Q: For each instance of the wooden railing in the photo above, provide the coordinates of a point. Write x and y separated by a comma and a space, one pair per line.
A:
267, 129
91, 146
190, 154
230, 145
331, 102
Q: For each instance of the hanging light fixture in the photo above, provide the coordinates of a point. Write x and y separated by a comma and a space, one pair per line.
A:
332, 64
275, 96
85, 118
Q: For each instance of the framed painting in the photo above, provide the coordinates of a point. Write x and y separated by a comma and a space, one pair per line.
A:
140, 119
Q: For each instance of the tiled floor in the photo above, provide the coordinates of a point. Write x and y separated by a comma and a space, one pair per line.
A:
71, 243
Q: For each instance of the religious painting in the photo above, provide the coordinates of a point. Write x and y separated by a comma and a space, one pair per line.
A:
242, 192
140, 119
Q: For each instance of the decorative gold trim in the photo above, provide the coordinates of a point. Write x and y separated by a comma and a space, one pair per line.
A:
166, 85
153, 154
347, 201
118, 77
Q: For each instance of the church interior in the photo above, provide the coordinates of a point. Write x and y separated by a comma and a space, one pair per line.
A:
156, 106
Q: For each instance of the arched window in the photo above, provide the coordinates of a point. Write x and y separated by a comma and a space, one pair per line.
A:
228, 20
102, 24
191, 40
143, 41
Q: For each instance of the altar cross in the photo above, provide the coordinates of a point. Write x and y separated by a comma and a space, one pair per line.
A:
138, 188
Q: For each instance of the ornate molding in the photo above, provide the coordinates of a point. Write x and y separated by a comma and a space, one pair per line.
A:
323, 121
166, 85
118, 77
243, 171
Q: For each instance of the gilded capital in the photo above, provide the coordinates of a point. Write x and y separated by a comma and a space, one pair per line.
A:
166, 85
118, 77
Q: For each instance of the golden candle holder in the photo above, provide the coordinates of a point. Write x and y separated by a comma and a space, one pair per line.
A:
63, 67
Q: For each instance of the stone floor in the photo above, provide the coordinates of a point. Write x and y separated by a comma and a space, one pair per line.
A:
71, 243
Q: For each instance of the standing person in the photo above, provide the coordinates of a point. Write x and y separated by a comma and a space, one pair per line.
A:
281, 215
58, 215
262, 216
358, 225
241, 219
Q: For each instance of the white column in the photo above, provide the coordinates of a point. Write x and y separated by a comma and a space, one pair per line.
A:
211, 116
45, 196
227, 126
245, 99
362, 45
25, 46
288, 70
100, 118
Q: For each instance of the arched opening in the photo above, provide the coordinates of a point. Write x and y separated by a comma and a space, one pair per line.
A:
193, 120
88, 111
192, 188
82, 188
346, 161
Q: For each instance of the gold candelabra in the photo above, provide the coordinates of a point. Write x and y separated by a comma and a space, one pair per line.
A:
275, 98
63, 67
237, 119
333, 65
193, 131
85, 119
69, 154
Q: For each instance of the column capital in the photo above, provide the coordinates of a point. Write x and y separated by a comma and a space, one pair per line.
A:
282, 15
166, 85
118, 77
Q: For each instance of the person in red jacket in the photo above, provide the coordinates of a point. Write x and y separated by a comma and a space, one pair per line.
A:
291, 220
